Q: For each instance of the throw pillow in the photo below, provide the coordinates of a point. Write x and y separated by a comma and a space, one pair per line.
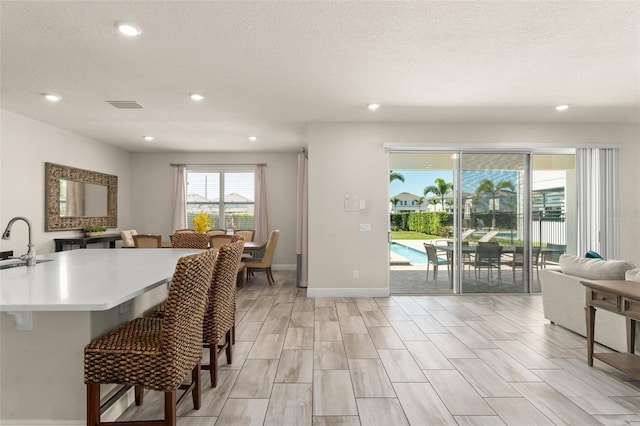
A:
593, 255
632, 275
594, 269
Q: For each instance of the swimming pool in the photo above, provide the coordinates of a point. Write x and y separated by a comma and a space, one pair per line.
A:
414, 256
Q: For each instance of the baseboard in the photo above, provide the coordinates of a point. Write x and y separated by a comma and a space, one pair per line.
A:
347, 292
283, 267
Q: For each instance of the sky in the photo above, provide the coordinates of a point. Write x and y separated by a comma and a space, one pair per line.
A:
416, 181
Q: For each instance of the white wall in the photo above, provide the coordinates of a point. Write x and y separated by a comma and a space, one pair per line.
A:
351, 158
25, 145
152, 193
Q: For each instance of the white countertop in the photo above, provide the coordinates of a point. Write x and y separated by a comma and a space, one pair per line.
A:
87, 279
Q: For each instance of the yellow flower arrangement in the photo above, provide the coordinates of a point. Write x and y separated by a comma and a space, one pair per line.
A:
202, 222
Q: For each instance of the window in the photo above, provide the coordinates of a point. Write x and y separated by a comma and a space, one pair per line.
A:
226, 196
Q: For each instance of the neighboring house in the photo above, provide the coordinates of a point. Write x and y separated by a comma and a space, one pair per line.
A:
408, 203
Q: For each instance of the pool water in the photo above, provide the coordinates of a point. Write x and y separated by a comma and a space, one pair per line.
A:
414, 256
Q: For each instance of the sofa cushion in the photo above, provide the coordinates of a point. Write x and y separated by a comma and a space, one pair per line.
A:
632, 275
594, 269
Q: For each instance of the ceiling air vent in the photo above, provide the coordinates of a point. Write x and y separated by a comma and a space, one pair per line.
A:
125, 104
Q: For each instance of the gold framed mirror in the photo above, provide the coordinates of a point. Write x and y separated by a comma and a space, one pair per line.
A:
76, 198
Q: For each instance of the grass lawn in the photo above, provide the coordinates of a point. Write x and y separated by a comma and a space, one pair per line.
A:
410, 235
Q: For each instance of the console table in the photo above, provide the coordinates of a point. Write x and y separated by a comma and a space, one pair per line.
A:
83, 241
621, 297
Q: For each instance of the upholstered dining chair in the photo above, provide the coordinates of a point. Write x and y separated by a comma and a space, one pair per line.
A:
265, 261
156, 353
127, 237
194, 240
147, 241
220, 240
247, 234
216, 232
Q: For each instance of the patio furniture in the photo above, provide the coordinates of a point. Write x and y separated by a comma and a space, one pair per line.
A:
488, 255
515, 259
488, 236
433, 259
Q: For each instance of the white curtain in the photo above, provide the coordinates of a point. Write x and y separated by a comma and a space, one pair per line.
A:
180, 199
302, 277
596, 176
260, 215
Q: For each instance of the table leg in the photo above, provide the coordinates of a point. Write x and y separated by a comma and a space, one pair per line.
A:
631, 335
112, 244
590, 312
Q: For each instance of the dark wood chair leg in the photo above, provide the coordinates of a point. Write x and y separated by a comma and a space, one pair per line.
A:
233, 334
213, 365
139, 393
93, 404
196, 392
170, 408
228, 346
269, 277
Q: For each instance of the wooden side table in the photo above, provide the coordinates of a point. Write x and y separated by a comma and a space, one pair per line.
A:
621, 297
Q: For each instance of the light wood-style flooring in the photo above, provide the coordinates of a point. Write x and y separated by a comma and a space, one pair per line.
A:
419, 360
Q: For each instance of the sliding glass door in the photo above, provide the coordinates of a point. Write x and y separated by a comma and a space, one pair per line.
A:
469, 222
495, 226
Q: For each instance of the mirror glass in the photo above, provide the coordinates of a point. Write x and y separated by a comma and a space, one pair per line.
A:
76, 198
79, 199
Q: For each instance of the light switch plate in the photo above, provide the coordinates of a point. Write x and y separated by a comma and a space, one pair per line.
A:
365, 227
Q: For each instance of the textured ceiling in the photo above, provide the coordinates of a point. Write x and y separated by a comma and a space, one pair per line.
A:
270, 68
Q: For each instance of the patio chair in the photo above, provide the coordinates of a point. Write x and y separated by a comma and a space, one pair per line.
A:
488, 255
554, 255
516, 260
435, 260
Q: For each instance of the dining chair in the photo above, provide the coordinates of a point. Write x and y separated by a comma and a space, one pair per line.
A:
247, 234
147, 241
127, 237
156, 353
488, 255
220, 240
195, 240
216, 232
265, 261
433, 259
177, 231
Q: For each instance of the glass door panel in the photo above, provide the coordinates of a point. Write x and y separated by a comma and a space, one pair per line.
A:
421, 209
496, 255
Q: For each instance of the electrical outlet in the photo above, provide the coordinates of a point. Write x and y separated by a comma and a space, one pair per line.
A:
365, 227
355, 274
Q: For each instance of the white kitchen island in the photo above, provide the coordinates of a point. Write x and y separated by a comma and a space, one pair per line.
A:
49, 312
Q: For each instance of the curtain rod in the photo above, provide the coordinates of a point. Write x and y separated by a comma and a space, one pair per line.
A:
218, 164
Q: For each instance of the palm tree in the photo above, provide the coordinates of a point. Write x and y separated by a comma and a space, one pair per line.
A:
395, 201
487, 186
419, 200
441, 188
395, 176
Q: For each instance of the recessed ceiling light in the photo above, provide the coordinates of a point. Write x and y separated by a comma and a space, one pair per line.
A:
253, 138
562, 107
149, 138
373, 107
51, 97
196, 97
128, 29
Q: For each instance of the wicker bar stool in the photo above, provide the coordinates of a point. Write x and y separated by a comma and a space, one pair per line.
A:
194, 240
156, 353
219, 320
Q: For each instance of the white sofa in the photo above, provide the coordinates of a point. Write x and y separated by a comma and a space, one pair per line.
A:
563, 297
